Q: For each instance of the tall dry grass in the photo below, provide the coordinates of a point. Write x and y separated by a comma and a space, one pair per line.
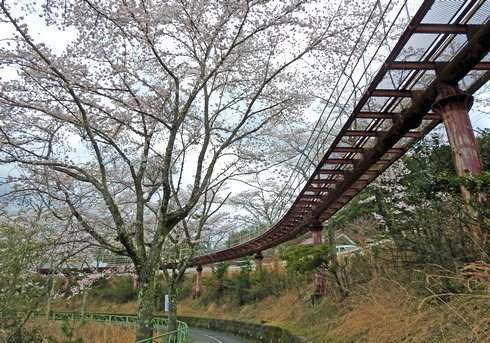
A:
94, 305
89, 332
379, 311
386, 312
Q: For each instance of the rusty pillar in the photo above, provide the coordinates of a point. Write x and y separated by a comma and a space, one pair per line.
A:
317, 236
453, 105
66, 282
258, 260
198, 285
135, 282
320, 287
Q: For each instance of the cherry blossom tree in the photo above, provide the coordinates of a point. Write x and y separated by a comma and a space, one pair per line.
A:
260, 207
152, 106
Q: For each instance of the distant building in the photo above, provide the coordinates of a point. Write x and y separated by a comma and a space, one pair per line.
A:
340, 239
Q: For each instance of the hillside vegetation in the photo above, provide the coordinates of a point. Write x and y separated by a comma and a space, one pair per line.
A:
419, 277
392, 306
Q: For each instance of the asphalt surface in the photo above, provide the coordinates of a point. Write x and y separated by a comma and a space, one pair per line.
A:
209, 336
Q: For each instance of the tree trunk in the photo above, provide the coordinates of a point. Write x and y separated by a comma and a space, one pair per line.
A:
146, 300
172, 314
50, 297
334, 264
393, 230
84, 301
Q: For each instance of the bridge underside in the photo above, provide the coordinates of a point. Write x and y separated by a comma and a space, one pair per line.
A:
446, 43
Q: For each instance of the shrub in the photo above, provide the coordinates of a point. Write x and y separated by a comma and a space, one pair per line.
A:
119, 290
25, 335
217, 285
246, 286
241, 284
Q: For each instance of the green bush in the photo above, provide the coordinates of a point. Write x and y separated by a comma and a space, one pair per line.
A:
217, 286
25, 335
246, 286
241, 285
119, 290
265, 283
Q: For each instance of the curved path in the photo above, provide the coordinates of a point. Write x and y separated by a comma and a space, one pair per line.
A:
209, 336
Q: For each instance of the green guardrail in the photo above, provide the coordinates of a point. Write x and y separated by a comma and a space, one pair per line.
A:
178, 336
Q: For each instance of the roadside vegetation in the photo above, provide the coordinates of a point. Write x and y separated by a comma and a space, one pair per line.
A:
82, 332
418, 276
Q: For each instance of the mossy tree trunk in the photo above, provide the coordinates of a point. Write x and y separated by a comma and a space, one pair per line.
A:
174, 280
84, 302
172, 314
146, 304
52, 281
334, 265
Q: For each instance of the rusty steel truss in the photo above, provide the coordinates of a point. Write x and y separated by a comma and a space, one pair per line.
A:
392, 114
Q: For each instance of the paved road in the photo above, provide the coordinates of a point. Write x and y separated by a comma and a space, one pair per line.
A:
209, 336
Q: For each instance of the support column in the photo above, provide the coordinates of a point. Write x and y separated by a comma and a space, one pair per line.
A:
66, 282
135, 282
197, 286
258, 260
316, 234
453, 105
320, 287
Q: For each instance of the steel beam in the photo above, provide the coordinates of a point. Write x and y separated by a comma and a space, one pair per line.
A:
412, 134
392, 93
375, 115
340, 161
431, 65
371, 173
325, 182
360, 133
306, 196
388, 115
348, 149
446, 28
333, 171
316, 189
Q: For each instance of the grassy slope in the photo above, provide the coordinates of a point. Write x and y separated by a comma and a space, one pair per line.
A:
380, 311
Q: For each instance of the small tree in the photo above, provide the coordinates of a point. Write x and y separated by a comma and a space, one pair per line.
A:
419, 202
307, 259
18, 291
241, 284
23, 252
